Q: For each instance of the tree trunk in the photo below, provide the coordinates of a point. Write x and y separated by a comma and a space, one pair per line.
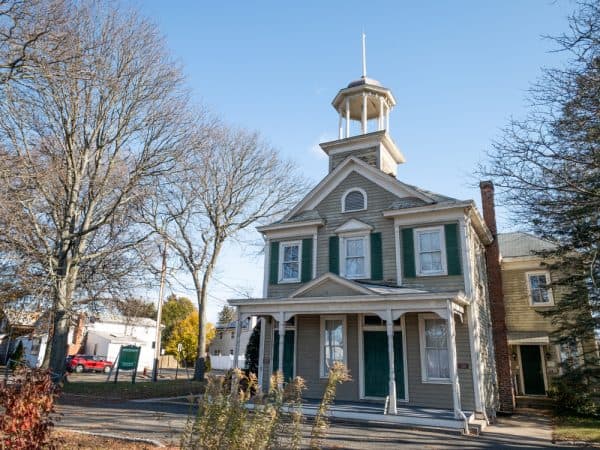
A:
61, 324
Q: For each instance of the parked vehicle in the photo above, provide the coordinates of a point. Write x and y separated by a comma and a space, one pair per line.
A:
81, 363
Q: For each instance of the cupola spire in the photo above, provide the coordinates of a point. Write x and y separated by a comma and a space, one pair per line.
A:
364, 55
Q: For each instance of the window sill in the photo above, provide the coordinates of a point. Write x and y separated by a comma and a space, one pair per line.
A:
436, 381
541, 305
288, 281
436, 274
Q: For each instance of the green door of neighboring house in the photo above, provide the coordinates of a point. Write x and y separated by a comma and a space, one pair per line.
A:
288, 354
376, 364
533, 376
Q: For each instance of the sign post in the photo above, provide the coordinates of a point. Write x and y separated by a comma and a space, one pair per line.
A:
129, 357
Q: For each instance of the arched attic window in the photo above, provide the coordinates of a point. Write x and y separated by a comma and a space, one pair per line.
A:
354, 199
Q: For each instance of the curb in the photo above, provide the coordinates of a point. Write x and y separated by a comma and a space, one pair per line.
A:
115, 436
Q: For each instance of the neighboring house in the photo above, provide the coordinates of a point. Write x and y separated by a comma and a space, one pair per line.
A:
103, 336
535, 360
107, 333
388, 278
222, 347
20, 325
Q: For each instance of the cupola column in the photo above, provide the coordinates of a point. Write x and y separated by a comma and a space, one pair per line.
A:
380, 118
340, 127
364, 113
347, 116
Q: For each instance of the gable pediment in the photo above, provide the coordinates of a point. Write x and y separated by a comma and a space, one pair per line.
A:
330, 285
353, 225
341, 172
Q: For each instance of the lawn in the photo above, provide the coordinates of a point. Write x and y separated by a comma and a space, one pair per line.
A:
573, 428
124, 390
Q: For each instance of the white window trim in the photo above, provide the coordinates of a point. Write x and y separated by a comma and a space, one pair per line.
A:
424, 377
416, 242
362, 191
530, 296
282, 245
367, 246
323, 373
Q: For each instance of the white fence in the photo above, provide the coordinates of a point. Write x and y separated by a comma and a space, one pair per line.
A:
226, 362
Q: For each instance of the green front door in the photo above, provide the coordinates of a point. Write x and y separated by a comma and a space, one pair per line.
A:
288, 354
533, 376
376, 363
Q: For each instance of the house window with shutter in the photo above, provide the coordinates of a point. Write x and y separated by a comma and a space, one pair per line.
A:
290, 255
354, 200
430, 251
355, 257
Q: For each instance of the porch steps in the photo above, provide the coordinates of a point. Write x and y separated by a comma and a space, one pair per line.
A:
534, 402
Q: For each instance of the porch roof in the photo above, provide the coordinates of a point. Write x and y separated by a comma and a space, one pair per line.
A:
397, 304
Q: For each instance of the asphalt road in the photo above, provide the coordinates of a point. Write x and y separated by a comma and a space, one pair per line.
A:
164, 422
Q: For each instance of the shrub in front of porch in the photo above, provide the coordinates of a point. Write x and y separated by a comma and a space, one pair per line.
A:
228, 418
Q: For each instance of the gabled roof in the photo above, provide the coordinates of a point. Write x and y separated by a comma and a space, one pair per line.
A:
519, 244
353, 164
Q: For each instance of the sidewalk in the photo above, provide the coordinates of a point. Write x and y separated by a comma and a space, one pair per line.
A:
165, 421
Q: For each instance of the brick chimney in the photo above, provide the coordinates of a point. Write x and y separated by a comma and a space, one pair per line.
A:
494, 275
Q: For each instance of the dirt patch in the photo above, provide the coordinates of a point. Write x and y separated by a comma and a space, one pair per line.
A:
68, 440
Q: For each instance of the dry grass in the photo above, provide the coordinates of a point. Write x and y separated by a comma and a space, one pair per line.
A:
574, 428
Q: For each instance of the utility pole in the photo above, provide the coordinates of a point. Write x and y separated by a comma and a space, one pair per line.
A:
163, 273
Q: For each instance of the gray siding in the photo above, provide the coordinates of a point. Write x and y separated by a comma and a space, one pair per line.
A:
436, 284
307, 357
378, 200
437, 395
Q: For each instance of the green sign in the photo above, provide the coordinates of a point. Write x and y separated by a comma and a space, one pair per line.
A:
129, 357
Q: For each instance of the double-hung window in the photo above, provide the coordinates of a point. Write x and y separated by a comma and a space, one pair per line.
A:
539, 292
435, 364
430, 251
355, 257
289, 262
333, 342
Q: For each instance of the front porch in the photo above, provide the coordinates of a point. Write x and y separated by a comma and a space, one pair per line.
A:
380, 335
373, 413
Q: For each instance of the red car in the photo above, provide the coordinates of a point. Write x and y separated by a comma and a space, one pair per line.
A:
80, 363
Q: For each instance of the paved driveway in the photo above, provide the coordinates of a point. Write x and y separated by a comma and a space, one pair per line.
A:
165, 421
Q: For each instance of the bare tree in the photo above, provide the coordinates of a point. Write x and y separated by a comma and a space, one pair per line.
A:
81, 143
29, 31
231, 180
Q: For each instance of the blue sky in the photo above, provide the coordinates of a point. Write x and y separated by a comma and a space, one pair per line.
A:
459, 70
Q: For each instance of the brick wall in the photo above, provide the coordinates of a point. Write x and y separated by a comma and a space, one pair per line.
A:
497, 310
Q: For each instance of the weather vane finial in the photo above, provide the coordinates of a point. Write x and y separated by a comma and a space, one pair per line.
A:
364, 56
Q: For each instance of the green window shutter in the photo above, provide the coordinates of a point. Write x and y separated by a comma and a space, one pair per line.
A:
307, 254
408, 253
274, 263
452, 249
376, 257
334, 255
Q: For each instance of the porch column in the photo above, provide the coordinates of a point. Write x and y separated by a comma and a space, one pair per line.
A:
238, 329
261, 353
281, 342
452, 362
392, 383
